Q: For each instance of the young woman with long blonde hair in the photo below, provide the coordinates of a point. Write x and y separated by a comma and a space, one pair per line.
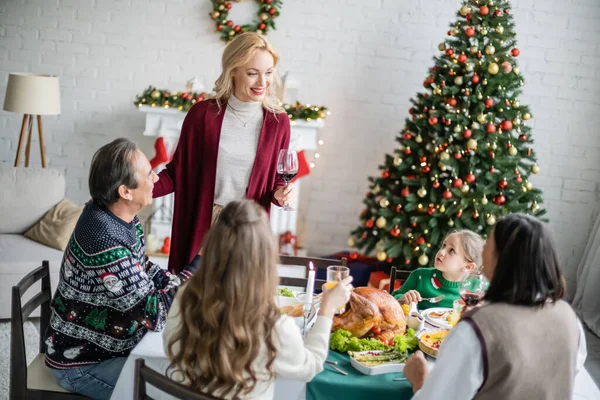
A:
228, 147
225, 335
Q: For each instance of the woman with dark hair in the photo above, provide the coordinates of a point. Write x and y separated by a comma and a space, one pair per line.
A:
525, 342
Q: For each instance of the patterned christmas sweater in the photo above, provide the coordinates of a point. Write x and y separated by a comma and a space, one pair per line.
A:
109, 294
429, 282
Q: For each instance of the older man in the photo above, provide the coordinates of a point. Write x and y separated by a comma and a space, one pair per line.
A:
109, 295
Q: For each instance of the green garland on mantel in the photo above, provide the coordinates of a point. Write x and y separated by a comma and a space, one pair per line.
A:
183, 101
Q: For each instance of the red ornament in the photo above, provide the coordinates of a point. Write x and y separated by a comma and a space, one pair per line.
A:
433, 120
523, 137
261, 26
506, 11
459, 213
272, 11
457, 155
475, 214
354, 255
490, 128
515, 52
452, 102
447, 122
449, 52
407, 151
407, 136
413, 224
395, 231
405, 192
529, 151
407, 262
470, 32
385, 174
484, 10
479, 55
364, 236
475, 78
519, 179
443, 84
219, 27
462, 59
229, 23
237, 28
430, 211
467, 93
436, 184
488, 102
470, 178
506, 125
228, 5
467, 133
421, 239
447, 194
500, 199
389, 260
492, 170
503, 184
369, 223
425, 169
497, 13
457, 182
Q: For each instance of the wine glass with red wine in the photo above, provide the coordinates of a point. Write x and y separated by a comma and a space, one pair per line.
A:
287, 167
473, 288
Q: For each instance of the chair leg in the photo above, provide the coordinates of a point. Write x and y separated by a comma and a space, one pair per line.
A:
21, 137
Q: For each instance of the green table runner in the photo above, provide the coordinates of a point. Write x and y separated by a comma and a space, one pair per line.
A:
330, 384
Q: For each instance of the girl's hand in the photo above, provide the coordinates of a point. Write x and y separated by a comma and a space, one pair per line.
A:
286, 194
412, 296
336, 297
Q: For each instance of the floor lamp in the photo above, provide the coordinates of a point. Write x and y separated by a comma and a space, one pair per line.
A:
32, 95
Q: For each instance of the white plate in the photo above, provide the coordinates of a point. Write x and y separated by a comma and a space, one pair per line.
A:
437, 322
377, 370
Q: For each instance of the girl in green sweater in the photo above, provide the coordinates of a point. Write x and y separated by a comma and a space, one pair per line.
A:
460, 254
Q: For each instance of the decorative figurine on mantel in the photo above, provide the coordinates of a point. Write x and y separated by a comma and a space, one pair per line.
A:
194, 85
288, 244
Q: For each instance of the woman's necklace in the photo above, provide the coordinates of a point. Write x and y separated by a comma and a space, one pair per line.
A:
241, 120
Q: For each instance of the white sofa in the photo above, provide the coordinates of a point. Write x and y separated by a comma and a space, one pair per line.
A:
26, 194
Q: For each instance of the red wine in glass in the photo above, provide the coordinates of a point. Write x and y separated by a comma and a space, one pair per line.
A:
288, 177
287, 168
471, 299
472, 288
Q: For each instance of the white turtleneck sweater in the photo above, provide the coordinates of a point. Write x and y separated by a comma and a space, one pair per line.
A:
237, 149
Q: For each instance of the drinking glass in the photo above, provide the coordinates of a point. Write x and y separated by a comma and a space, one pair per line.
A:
335, 274
287, 167
473, 288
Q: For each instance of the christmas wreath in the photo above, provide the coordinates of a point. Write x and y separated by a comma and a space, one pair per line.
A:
267, 11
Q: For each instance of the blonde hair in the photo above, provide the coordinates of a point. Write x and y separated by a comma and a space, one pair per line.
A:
238, 53
472, 245
227, 308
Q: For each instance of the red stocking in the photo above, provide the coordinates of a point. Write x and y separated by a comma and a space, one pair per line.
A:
303, 167
161, 153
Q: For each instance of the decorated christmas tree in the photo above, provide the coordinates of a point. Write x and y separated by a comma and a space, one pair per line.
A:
465, 153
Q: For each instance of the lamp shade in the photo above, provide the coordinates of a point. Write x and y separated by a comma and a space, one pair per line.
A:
35, 94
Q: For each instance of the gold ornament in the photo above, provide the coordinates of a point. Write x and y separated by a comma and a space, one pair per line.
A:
397, 161
516, 70
494, 146
457, 129
444, 156
472, 144
515, 103
465, 188
437, 91
481, 118
155, 94
535, 206
490, 49
264, 16
450, 223
469, 67
484, 201
483, 31
464, 10
500, 29
419, 139
535, 168
384, 203
221, 7
442, 209
528, 185
458, 80
442, 166
512, 151
455, 31
351, 242
493, 68
484, 82
479, 96
526, 116
491, 220
423, 260
381, 255
474, 49
381, 222
215, 14
376, 189
442, 46
422, 192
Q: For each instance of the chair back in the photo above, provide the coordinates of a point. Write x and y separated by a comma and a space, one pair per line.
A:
396, 274
144, 374
19, 314
319, 263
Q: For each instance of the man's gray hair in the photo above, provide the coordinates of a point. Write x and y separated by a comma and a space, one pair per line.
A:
112, 166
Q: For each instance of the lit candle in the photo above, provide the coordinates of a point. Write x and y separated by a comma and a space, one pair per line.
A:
310, 286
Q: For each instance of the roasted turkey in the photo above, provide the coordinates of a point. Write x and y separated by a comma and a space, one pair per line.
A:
369, 308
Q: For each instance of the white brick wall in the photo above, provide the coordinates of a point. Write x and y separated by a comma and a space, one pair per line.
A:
362, 58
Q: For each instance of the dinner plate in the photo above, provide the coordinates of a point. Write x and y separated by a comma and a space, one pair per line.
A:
432, 318
290, 301
378, 369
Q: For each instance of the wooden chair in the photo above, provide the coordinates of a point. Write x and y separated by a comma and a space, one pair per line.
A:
319, 263
145, 375
35, 381
397, 274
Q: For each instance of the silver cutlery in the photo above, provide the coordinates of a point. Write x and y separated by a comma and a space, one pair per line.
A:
435, 299
399, 379
331, 362
337, 369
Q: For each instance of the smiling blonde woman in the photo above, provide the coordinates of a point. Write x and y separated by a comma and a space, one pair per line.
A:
228, 147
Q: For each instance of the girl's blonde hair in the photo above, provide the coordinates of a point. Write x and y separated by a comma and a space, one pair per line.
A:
238, 53
227, 307
472, 245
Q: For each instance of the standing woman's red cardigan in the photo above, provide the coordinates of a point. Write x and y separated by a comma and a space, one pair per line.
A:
191, 174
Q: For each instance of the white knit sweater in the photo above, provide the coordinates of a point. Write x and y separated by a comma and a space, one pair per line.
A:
241, 127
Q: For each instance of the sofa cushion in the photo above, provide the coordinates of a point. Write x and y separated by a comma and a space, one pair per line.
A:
20, 255
55, 228
26, 195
